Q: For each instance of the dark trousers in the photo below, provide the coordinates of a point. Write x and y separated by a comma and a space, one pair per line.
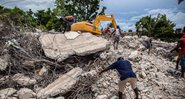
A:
182, 71
116, 42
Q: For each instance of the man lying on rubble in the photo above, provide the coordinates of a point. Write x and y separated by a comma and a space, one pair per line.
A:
180, 48
124, 68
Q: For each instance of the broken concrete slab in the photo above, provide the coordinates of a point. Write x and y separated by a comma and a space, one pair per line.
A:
25, 93
58, 47
71, 35
4, 93
61, 85
23, 80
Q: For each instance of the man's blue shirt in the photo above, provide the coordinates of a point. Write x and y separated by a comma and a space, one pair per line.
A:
124, 68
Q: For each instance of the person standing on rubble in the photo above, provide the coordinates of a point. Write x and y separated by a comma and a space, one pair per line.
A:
139, 30
180, 48
107, 33
67, 22
117, 34
126, 73
149, 44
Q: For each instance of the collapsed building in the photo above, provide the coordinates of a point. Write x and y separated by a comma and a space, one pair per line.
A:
65, 66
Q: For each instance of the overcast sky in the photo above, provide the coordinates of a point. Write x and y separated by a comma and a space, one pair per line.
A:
126, 12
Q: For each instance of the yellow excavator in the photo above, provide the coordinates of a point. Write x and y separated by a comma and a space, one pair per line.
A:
93, 27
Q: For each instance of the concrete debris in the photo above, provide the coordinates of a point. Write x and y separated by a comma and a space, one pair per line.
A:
143, 75
23, 80
103, 56
3, 63
38, 30
43, 71
4, 78
155, 79
114, 97
71, 35
57, 47
134, 56
90, 73
4, 93
61, 85
11, 98
25, 93
101, 97
57, 98
29, 67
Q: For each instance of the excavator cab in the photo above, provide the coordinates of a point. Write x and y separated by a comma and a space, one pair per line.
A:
93, 27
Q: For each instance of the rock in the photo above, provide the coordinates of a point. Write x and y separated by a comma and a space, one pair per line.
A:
140, 86
158, 97
133, 45
114, 97
103, 56
52, 31
61, 85
144, 97
25, 93
71, 35
101, 97
57, 47
90, 73
135, 56
42, 71
38, 30
11, 98
3, 63
143, 75
4, 78
23, 80
61, 97
4, 93
141, 47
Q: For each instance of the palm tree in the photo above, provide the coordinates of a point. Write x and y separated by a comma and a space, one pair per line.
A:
148, 24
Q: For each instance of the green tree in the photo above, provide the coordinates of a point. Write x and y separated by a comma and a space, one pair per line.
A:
81, 9
158, 27
164, 27
148, 24
47, 20
30, 18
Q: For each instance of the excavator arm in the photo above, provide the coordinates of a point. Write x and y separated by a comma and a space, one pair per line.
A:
100, 18
93, 27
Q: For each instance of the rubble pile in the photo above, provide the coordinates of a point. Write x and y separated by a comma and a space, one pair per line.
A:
157, 78
60, 66
27, 72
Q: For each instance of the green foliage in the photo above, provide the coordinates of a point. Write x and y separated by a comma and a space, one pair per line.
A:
157, 27
17, 17
164, 27
81, 9
148, 23
48, 19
